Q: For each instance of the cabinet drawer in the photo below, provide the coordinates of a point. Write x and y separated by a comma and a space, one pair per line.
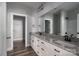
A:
43, 47
43, 43
40, 51
48, 50
61, 52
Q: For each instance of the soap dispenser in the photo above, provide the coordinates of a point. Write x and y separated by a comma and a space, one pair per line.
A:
66, 36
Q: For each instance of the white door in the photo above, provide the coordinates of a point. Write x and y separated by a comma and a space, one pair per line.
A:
17, 29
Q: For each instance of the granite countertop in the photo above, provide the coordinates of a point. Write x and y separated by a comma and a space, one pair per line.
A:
52, 39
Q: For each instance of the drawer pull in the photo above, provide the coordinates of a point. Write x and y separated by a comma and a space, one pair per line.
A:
37, 52
38, 40
56, 50
42, 49
42, 42
54, 55
32, 40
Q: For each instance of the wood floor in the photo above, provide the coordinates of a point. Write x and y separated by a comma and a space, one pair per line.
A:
19, 45
20, 50
25, 52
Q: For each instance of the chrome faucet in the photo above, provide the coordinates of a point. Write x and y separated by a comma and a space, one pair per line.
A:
68, 38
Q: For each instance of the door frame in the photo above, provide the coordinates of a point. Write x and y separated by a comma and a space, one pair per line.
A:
12, 15
51, 24
77, 26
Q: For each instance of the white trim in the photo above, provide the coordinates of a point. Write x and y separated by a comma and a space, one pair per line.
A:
12, 14
51, 25
77, 25
63, 24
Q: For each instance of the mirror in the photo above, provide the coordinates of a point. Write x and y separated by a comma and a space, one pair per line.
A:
61, 20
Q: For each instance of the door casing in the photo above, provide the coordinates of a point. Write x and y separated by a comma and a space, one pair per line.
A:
12, 15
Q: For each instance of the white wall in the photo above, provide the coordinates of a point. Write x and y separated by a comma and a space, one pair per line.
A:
2, 28
34, 24
17, 8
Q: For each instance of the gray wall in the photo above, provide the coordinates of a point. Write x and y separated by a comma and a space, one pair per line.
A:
2, 28
21, 9
72, 21
56, 25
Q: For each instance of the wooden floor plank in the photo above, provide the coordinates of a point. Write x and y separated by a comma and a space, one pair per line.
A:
26, 52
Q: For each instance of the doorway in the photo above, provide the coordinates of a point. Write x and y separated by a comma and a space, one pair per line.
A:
47, 26
18, 33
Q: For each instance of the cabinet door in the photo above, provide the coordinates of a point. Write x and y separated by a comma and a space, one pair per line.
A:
36, 44
32, 41
43, 47
38, 47
47, 49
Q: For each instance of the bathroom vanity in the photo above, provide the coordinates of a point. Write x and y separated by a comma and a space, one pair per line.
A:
56, 23
50, 45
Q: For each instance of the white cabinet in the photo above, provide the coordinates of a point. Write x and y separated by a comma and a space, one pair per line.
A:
43, 48
33, 42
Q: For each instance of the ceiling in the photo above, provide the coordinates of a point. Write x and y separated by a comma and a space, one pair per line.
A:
33, 5
67, 6
70, 5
